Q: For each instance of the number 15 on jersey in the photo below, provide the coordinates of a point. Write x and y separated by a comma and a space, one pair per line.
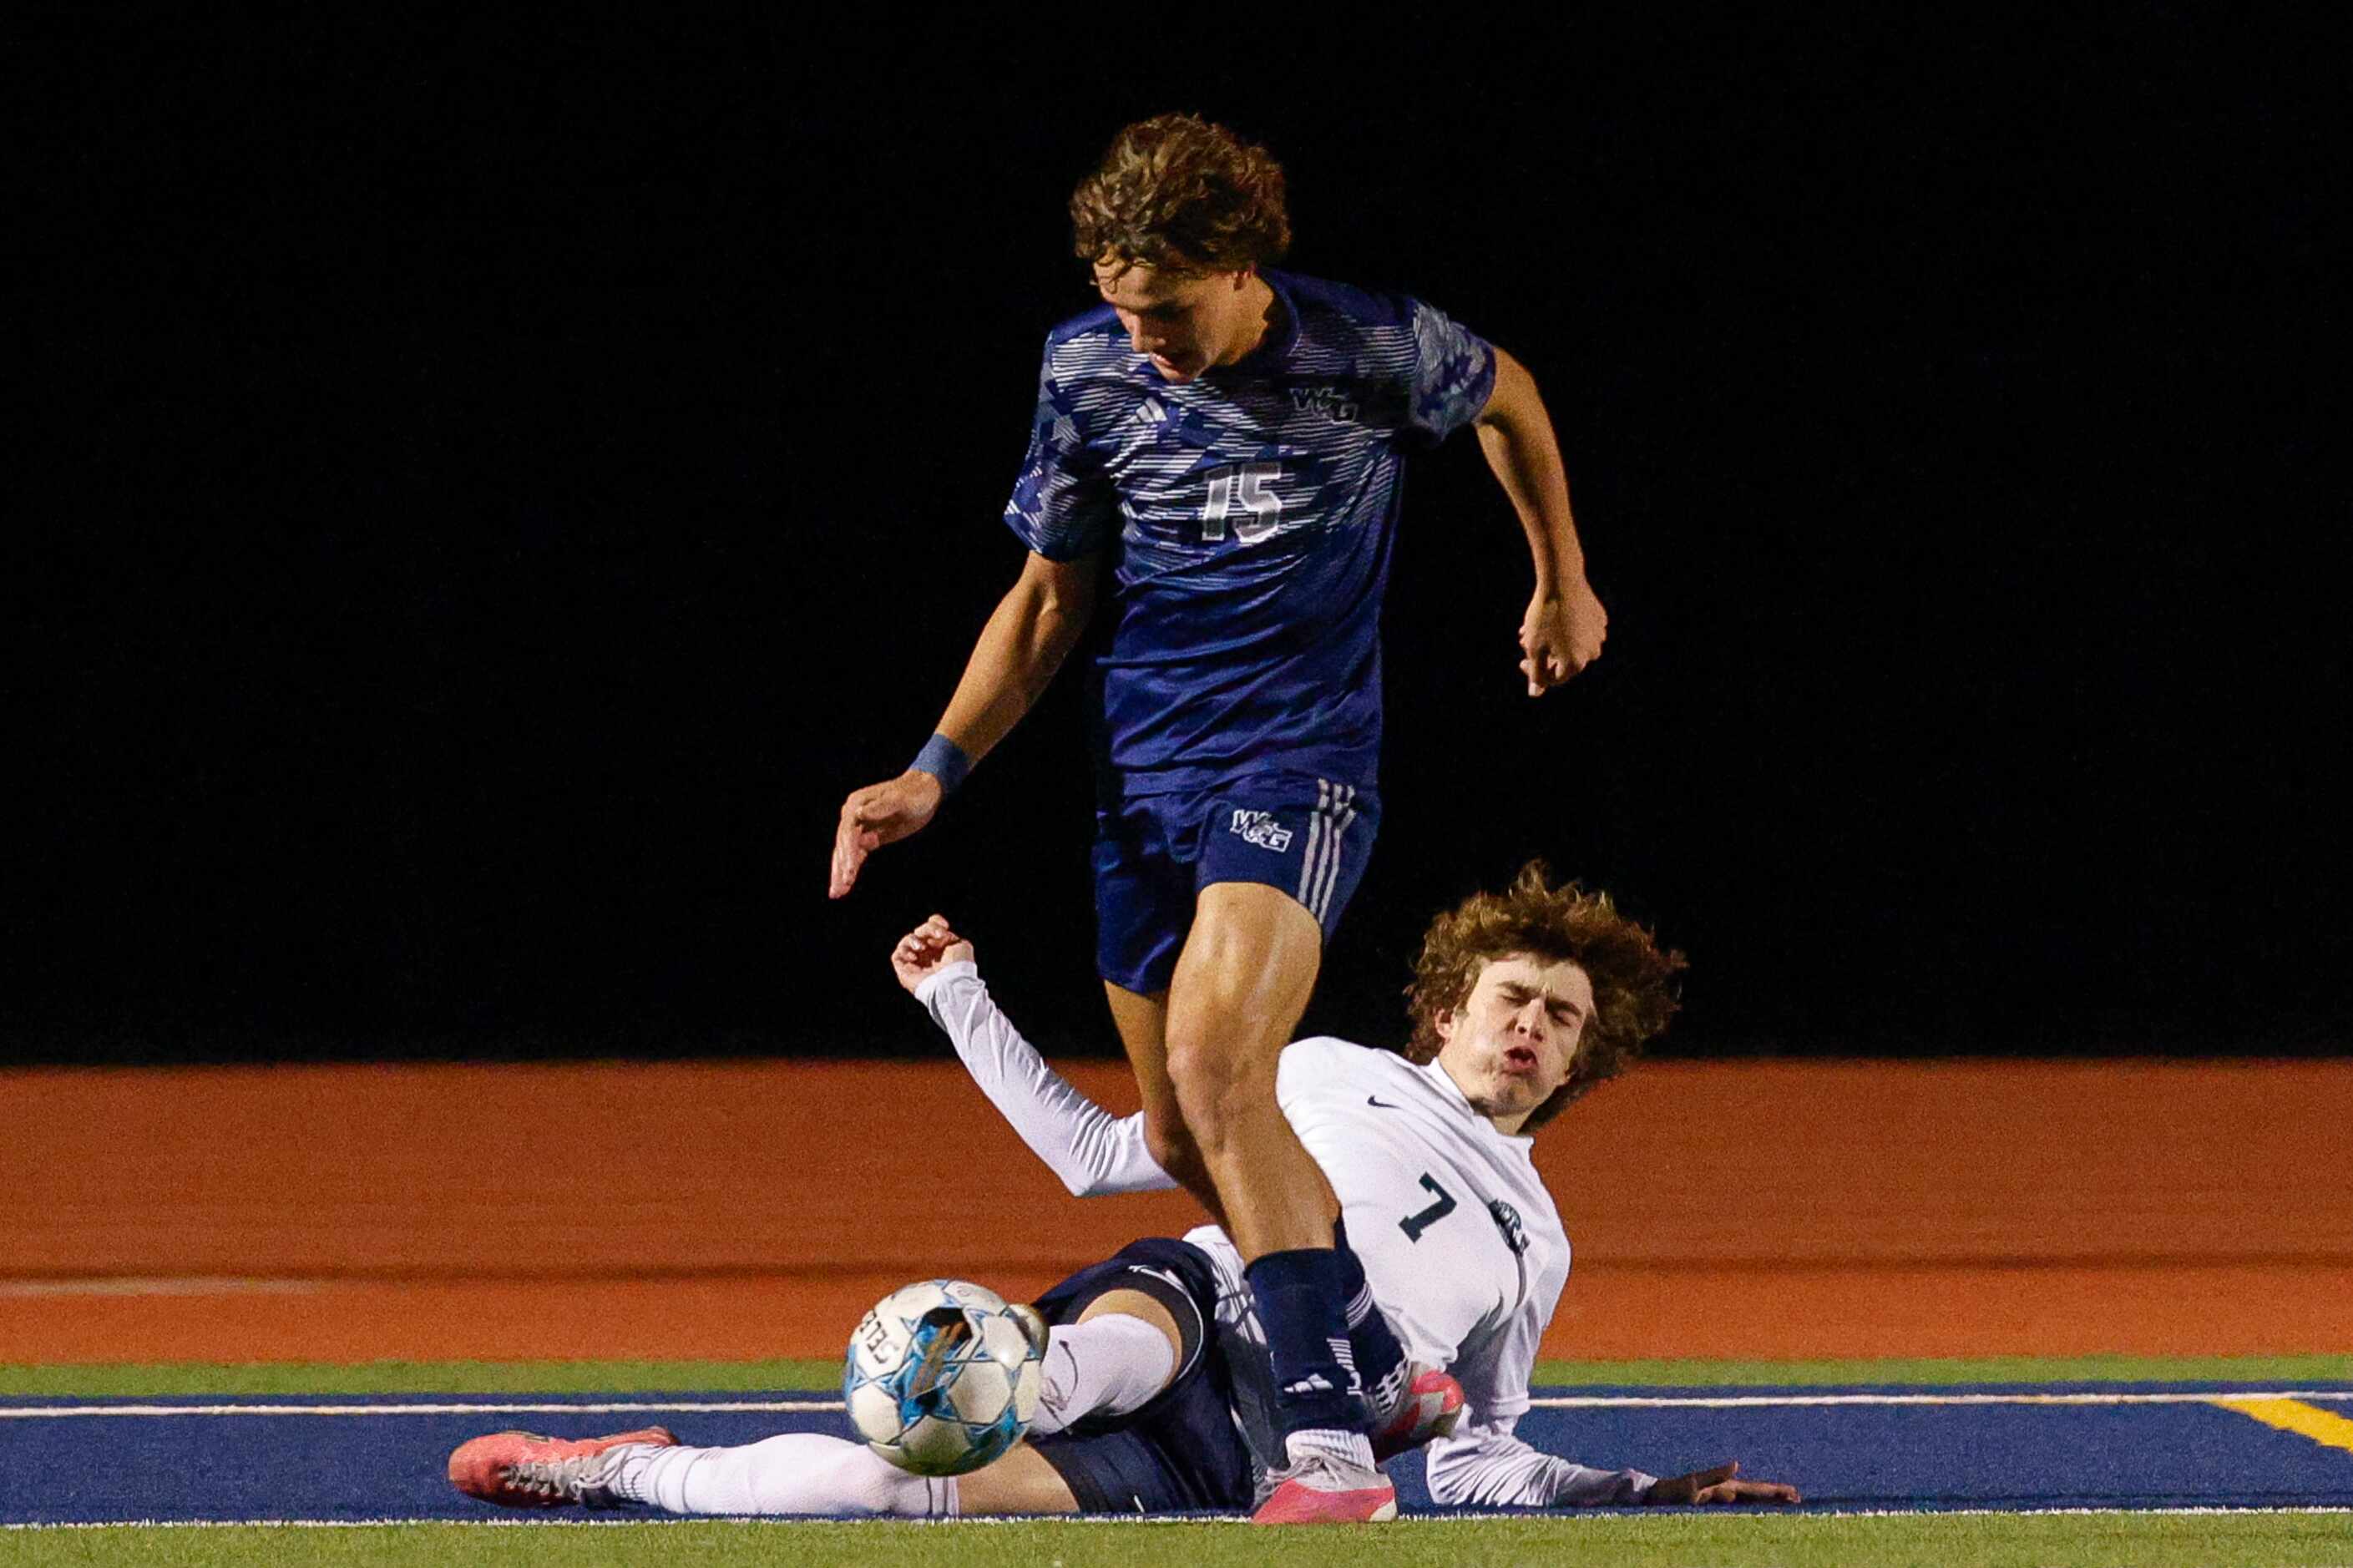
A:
1245, 493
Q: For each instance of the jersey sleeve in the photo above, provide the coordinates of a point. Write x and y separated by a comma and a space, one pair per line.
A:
1453, 374
1063, 505
1090, 1149
1484, 1465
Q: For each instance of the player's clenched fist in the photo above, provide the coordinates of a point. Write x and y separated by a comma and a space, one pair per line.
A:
879, 815
1560, 636
922, 952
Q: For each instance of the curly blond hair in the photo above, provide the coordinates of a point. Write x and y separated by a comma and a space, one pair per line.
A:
1178, 193
1633, 977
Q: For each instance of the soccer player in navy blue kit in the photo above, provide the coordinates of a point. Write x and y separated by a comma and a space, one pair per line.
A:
1219, 451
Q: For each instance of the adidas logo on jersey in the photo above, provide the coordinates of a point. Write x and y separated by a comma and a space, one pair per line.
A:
1260, 828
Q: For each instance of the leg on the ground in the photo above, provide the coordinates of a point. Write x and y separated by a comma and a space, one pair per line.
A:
1143, 1024
1116, 1359
1120, 1353
792, 1473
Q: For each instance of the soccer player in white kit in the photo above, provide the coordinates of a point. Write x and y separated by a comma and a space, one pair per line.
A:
1522, 1001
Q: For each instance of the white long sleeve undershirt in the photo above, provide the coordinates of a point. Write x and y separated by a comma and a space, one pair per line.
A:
1090, 1149
1487, 1466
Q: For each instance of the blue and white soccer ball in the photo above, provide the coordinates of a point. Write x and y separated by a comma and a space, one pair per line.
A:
943, 1376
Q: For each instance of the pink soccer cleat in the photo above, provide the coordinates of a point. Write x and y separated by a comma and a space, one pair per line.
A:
1430, 1406
1320, 1489
522, 1469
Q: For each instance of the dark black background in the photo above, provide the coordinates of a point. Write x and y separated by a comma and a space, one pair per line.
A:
493, 487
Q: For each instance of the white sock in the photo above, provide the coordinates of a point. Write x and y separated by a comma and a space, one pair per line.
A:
1349, 1447
797, 1472
1105, 1366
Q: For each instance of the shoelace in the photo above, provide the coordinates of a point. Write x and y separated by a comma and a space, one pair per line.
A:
569, 1478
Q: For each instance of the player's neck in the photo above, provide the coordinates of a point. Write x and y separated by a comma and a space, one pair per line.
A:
1263, 312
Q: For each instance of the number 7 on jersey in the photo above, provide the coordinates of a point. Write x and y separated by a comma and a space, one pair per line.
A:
1413, 1225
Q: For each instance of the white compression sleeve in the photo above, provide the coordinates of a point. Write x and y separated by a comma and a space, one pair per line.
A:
1090, 1149
798, 1472
1109, 1365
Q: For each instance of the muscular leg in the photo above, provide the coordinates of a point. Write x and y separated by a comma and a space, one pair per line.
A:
1143, 1025
1241, 983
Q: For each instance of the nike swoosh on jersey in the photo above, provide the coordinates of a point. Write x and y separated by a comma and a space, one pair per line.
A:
1384, 1105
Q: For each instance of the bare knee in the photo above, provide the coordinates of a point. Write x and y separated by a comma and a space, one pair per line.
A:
1172, 1145
1222, 1088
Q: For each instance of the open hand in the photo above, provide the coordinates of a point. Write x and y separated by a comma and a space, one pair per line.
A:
1717, 1486
879, 815
926, 950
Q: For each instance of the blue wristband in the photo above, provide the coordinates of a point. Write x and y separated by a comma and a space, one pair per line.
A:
943, 759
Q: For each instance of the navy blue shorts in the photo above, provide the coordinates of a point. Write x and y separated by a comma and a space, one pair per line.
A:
1182, 1451
1155, 853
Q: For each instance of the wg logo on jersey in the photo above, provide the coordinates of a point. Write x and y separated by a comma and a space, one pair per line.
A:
1333, 403
1507, 1220
1260, 828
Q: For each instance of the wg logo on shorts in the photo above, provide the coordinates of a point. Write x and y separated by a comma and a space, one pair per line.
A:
1260, 828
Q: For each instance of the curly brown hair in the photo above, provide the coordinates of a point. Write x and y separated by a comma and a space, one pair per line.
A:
1178, 193
1633, 977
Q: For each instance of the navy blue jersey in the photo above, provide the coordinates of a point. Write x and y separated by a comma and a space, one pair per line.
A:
1248, 515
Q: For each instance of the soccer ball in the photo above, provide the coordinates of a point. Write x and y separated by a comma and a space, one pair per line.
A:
943, 1376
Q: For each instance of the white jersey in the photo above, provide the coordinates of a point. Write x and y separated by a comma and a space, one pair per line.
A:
1460, 1243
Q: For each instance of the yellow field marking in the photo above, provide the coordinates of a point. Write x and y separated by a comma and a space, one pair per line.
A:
2323, 1427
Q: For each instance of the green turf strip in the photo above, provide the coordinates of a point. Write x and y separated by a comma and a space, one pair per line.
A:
1755, 1540
718, 1376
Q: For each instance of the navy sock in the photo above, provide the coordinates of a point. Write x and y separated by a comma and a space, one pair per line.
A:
1302, 1307
1380, 1360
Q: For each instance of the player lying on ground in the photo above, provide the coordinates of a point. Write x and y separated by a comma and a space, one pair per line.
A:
1217, 454
1156, 1391
1521, 1003
1142, 1409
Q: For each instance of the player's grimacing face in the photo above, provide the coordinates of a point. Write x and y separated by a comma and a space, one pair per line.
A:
1184, 321
1512, 1041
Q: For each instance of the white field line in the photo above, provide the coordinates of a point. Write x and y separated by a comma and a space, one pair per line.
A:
1571, 1517
821, 1406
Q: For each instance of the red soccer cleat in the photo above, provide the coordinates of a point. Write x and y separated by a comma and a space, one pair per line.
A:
522, 1469
1431, 1406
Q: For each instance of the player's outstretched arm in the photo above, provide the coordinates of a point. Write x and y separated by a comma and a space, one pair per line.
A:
1487, 1465
1719, 1485
1565, 626
1090, 1149
1033, 629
